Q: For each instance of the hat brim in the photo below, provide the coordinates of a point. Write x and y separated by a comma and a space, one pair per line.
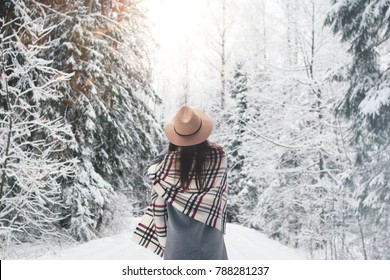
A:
199, 137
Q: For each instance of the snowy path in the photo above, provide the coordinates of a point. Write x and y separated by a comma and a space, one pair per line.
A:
242, 244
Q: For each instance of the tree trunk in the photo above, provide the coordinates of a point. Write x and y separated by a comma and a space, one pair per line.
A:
186, 83
3, 177
263, 8
89, 3
292, 54
362, 239
223, 55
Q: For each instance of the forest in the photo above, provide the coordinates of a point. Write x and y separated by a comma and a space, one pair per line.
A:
299, 92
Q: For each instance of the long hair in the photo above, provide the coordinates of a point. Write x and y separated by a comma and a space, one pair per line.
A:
192, 160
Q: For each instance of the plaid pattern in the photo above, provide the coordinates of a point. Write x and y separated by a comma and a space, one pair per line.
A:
207, 206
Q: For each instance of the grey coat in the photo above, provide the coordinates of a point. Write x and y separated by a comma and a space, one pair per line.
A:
189, 239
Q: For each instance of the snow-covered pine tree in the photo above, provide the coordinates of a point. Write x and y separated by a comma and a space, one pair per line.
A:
103, 43
242, 194
32, 144
364, 25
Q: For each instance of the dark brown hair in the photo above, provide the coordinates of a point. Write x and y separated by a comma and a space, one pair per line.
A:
192, 160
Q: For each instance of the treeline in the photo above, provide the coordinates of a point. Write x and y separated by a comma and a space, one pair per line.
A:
307, 126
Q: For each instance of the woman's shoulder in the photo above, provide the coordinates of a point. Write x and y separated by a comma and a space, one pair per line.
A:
216, 150
216, 147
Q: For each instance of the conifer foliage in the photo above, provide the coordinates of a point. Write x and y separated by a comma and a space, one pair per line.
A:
32, 144
102, 43
74, 107
364, 25
237, 121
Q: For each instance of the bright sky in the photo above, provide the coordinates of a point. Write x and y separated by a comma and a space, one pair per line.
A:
185, 31
177, 27
173, 19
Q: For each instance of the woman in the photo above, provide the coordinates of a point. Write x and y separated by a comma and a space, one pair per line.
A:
187, 214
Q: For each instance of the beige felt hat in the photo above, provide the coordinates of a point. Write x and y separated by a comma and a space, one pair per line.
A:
189, 127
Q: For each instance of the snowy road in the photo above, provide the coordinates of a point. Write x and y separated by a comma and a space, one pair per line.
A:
242, 244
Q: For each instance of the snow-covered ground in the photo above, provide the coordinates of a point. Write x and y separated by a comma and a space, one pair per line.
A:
242, 244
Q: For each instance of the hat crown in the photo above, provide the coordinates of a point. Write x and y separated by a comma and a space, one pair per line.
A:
188, 127
186, 121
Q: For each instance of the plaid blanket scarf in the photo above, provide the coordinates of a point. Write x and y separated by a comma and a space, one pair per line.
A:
207, 206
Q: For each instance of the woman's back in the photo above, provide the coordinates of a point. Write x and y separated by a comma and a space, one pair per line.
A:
186, 218
189, 239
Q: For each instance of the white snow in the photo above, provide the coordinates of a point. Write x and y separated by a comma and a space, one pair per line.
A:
375, 100
242, 244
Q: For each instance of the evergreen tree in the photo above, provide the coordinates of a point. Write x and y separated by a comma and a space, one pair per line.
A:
238, 136
103, 44
364, 25
32, 144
